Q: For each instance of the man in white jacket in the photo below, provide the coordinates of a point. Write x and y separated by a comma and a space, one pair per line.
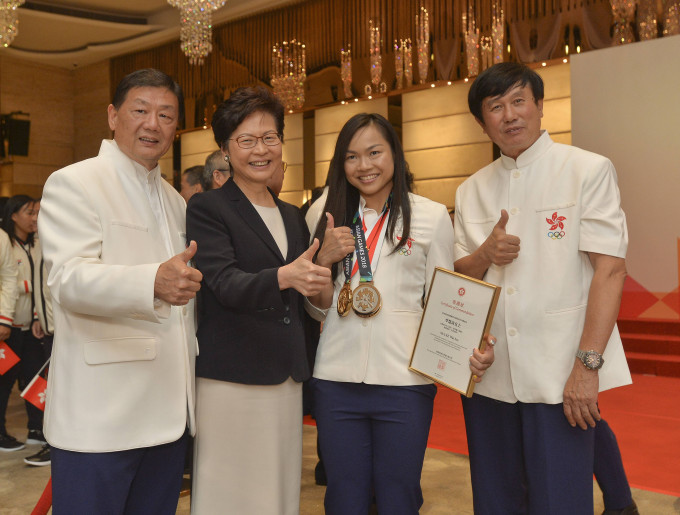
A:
121, 383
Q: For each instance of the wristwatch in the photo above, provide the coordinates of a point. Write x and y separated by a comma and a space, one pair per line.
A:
592, 359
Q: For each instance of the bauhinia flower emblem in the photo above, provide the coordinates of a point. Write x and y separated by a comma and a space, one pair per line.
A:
555, 221
42, 395
2, 354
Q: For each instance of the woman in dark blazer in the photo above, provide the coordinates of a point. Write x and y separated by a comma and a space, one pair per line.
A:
252, 251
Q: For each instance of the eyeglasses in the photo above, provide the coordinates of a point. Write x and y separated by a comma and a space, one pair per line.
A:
246, 141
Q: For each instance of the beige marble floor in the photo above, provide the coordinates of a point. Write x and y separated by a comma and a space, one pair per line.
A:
446, 483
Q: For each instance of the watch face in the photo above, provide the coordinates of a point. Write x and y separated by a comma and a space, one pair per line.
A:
592, 360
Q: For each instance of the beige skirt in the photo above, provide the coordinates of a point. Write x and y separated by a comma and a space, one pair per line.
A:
248, 448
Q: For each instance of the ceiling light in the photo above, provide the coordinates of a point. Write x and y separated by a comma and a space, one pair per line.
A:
9, 21
195, 33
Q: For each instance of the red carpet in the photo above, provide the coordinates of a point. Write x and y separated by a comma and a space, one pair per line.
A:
644, 416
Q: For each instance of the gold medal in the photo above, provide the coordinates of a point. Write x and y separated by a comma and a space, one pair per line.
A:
345, 300
366, 301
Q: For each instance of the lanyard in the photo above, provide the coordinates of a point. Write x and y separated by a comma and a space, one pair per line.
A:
365, 250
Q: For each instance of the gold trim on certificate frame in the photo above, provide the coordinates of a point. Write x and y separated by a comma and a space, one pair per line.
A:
456, 319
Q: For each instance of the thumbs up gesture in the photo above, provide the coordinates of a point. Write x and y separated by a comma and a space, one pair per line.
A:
501, 248
337, 243
303, 275
176, 282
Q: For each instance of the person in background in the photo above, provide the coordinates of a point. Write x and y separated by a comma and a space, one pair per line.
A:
215, 171
191, 182
8, 293
275, 182
373, 414
544, 222
43, 329
20, 222
121, 380
257, 269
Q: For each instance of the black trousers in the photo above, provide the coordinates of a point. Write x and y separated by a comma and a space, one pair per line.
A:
31, 352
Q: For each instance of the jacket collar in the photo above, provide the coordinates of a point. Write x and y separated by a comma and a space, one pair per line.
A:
252, 218
540, 147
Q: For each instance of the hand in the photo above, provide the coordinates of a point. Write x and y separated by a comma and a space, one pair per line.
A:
5, 332
580, 397
501, 248
480, 361
303, 275
176, 282
337, 243
37, 330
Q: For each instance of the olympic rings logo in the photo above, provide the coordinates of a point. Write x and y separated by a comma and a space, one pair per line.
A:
404, 251
556, 235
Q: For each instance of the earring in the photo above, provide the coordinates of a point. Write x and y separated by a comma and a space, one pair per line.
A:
226, 158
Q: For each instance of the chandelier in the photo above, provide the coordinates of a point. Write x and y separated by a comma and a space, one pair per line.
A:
289, 72
9, 21
195, 33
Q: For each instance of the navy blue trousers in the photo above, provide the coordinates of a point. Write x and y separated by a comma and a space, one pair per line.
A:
527, 459
373, 440
609, 471
133, 482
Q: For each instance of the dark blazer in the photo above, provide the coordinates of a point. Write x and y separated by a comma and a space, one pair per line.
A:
249, 331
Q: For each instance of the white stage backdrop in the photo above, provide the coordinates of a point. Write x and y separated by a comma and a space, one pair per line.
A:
626, 106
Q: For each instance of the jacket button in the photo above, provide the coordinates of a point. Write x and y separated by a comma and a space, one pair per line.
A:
287, 307
286, 320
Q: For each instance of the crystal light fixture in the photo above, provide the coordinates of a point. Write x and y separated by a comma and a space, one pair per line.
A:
346, 70
623, 12
375, 43
403, 63
671, 24
471, 35
423, 43
289, 72
195, 33
9, 21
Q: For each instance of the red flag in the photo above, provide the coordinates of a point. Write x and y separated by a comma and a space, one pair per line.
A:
36, 392
7, 358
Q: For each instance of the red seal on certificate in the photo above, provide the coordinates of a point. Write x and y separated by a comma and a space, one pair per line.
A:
366, 301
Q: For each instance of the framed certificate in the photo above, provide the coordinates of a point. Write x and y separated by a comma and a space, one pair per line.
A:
456, 319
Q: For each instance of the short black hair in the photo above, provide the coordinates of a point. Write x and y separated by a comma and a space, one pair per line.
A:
13, 205
498, 80
242, 103
148, 77
194, 175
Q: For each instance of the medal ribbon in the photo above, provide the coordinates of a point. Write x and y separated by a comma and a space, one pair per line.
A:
365, 250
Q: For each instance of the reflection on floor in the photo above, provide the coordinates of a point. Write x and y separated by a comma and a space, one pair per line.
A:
446, 482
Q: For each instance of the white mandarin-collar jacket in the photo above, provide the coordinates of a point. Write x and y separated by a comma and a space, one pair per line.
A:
121, 374
378, 350
541, 311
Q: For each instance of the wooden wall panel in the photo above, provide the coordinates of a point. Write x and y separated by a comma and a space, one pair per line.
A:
92, 88
452, 161
435, 102
556, 115
440, 190
293, 154
556, 80
459, 129
47, 94
196, 146
329, 120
